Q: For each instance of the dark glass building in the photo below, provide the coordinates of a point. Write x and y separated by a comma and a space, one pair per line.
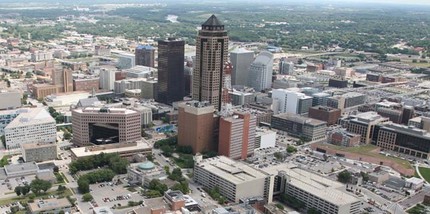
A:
171, 79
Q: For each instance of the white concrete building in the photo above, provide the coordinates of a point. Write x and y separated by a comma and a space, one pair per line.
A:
107, 79
315, 191
241, 60
31, 126
235, 180
264, 138
261, 71
291, 101
10, 99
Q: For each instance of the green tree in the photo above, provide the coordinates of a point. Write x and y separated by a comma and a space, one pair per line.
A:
291, 149
167, 150
280, 206
83, 185
87, 197
67, 135
38, 185
61, 188
365, 176
28, 75
344, 176
3, 140
279, 156
25, 190
176, 175
17, 190
182, 186
150, 157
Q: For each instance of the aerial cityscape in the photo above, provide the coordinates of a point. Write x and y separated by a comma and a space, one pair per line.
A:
214, 107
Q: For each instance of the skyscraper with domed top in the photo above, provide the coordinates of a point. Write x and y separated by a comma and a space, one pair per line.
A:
211, 56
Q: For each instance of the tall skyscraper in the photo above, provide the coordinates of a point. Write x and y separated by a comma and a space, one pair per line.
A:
286, 67
171, 79
211, 56
196, 125
63, 80
241, 59
107, 79
144, 55
291, 101
261, 71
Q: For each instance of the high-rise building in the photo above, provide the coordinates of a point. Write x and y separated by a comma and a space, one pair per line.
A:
237, 135
286, 67
10, 99
105, 126
196, 125
241, 59
63, 80
291, 101
171, 79
107, 79
145, 55
211, 56
261, 71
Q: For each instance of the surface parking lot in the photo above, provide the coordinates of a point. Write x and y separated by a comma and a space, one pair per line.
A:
111, 195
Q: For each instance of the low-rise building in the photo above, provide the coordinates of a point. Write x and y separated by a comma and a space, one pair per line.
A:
341, 137
363, 124
143, 173
126, 150
414, 183
53, 205
86, 84
379, 176
39, 152
235, 180
313, 190
264, 138
324, 113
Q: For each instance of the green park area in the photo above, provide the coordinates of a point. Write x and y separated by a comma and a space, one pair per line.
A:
425, 172
370, 151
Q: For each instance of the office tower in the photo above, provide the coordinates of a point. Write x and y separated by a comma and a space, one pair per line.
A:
171, 79
188, 75
34, 125
105, 126
145, 55
237, 135
241, 59
107, 79
286, 67
63, 80
261, 71
211, 56
291, 101
196, 126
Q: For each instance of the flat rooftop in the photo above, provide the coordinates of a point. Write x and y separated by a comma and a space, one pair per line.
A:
314, 184
37, 145
31, 116
300, 119
234, 171
86, 151
48, 204
105, 110
14, 168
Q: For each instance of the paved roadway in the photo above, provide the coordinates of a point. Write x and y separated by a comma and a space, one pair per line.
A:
413, 200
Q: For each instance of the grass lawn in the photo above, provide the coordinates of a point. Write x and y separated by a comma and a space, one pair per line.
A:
66, 193
367, 150
425, 172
